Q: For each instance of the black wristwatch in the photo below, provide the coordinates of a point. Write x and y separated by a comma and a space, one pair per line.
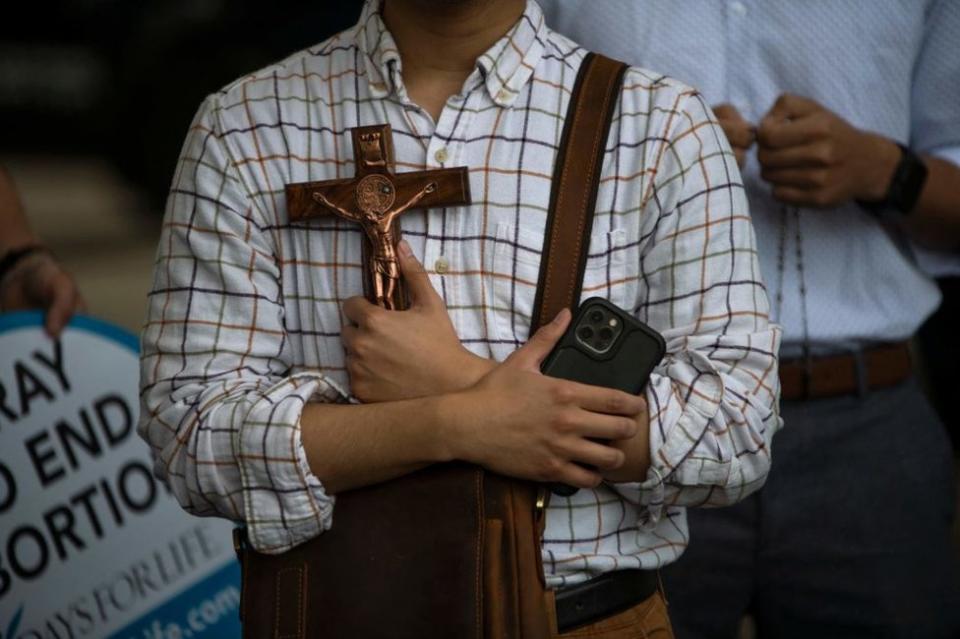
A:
905, 185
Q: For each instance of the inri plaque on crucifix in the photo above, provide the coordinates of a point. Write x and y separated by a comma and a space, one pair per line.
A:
374, 198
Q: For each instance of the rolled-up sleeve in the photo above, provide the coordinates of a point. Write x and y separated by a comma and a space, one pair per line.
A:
713, 401
934, 116
219, 407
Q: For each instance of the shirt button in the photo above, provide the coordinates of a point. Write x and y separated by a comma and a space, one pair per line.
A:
738, 8
441, 155
441, 266
503, 94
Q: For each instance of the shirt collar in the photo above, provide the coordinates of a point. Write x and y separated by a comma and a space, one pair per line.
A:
504, 68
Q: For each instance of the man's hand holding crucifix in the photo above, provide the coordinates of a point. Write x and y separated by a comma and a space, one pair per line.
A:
507, 417
398, 355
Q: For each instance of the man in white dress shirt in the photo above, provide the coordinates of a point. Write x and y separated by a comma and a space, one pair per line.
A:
845, 118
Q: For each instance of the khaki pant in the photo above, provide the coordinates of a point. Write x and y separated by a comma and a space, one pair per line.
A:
646, 620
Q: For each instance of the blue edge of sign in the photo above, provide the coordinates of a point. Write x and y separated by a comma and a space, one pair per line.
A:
209, 608
33, 319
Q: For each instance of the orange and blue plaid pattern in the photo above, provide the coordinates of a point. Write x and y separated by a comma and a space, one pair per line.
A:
244, 320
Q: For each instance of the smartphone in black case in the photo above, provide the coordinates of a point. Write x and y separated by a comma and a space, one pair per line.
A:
604, 346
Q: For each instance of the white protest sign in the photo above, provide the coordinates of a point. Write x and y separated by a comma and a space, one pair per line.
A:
91, 545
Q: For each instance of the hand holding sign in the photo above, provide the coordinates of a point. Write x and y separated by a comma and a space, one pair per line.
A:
90, 542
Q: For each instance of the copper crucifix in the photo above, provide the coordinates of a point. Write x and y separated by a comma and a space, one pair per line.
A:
374, 198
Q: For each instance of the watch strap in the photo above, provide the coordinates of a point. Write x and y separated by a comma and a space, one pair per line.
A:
905, 185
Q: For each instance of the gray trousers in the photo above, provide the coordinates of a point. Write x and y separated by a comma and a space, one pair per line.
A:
850, 537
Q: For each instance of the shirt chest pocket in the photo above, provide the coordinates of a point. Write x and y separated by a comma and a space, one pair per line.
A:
514, 270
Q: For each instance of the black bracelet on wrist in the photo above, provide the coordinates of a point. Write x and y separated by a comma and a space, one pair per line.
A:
12, 257
905, 186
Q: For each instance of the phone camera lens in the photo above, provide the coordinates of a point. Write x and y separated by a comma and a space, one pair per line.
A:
606, 334
585, 333
596, 316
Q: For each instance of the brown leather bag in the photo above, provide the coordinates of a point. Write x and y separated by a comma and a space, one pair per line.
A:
451, 551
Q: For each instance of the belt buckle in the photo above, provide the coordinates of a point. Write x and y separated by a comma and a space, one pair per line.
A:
597, 598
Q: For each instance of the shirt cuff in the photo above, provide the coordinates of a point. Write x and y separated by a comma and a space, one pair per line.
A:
682, 400
647, 495
284, 502
676, 428
949, 153
937, 263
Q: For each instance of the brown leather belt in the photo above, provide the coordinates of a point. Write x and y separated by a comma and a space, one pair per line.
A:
603, 596
877, 367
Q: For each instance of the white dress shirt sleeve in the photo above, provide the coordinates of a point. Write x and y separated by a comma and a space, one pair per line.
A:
934, 116
713, 400
219, 406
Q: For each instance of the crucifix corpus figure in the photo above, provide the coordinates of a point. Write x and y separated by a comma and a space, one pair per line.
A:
371, 198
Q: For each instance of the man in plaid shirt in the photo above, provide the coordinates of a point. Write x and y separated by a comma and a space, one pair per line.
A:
269, 384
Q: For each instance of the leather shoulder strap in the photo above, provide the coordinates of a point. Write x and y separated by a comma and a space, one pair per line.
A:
576, 178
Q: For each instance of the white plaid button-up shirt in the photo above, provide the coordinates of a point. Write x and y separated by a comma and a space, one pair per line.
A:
244, 319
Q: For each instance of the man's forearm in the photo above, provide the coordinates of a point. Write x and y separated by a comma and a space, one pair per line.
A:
935, 219
350, 446
935, 222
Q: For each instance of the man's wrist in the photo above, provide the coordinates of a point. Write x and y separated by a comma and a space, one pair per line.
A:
455, 412
637, 455
883, 156
15, 239
11, 259
448, 412
474, 368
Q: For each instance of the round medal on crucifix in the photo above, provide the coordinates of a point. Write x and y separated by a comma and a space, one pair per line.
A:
375, 193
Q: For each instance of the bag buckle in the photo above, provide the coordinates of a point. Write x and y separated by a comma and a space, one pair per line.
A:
239, 544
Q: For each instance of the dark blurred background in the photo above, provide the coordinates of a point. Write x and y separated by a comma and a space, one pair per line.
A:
122, 79
95, 100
